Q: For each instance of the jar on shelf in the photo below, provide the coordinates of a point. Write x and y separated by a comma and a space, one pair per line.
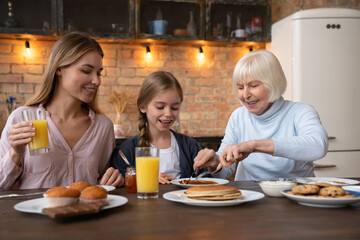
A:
130, 180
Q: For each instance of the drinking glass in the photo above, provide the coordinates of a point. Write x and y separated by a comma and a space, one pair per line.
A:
147, 172
40, 142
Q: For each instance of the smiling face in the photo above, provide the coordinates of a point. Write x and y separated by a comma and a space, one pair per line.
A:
163, 110
81, 79
253, 95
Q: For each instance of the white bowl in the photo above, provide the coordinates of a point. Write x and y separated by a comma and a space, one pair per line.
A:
273, 187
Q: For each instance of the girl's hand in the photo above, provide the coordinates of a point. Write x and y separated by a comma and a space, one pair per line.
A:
165, 178
206, 158
19, 135
112, 177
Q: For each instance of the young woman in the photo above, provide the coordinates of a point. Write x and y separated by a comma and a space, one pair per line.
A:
268, 136
159, 105
81, 139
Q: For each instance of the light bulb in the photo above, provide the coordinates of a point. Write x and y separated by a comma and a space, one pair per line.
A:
148, 53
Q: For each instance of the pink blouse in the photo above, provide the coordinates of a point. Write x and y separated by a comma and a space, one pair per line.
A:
87, 161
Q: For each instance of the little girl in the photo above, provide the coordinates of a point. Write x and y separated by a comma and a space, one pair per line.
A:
159, 103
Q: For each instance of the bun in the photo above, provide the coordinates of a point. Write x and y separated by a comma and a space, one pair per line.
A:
93, 193
212, 193
80, 185
61, 196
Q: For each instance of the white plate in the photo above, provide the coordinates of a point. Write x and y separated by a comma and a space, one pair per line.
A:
218, 181
36, 205
179, 196
352, 188
322, 202
333, 181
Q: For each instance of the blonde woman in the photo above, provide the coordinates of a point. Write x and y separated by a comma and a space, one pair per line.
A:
81, 139
159, 103
269, 136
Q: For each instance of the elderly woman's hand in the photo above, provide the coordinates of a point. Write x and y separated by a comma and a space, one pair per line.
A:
112, 177
240, 151
235, 153
19, 135
206, 158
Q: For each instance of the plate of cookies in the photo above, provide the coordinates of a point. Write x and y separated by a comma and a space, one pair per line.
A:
332, 181
213, 196
325, 196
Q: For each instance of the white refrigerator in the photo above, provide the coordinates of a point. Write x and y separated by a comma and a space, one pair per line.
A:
319, 50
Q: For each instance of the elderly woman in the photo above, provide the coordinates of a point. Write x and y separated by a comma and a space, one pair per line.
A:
269, 136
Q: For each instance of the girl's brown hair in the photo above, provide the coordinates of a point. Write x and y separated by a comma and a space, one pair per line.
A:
154, 84
65, 51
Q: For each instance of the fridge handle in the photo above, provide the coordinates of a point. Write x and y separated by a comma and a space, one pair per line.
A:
331, 137
324, 165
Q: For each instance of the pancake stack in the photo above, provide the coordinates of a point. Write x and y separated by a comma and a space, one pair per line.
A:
212, 193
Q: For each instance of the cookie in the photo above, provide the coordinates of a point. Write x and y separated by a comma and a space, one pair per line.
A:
332, 191
306, 189
322, 184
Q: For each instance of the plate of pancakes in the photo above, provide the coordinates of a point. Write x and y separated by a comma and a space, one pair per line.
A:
182, 182
213, 196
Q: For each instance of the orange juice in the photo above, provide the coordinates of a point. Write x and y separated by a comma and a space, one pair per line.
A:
147, 174
41, 139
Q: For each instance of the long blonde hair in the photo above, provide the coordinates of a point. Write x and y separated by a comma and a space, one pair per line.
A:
154, 84
65, 51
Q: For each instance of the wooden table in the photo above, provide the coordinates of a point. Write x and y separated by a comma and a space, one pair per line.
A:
268, 218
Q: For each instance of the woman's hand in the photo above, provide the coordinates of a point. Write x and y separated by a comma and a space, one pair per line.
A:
165, 178
112, 177
240, 151
19, 135
206, 158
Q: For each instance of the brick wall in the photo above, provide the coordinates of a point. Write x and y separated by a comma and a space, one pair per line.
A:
209, 98
283, 8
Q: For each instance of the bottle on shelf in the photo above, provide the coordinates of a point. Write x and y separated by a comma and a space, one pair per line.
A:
191, 26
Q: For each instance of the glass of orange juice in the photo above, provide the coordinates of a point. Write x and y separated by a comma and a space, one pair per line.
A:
40, 142
147, 172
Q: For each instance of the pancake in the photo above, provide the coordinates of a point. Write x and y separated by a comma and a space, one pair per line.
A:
212, 193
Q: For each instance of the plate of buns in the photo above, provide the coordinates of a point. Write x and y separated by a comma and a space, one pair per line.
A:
213, 196
183, 182
322, 195
77, 199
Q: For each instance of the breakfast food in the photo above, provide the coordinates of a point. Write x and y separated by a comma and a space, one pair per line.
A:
324, 192
199, 182
61, 196
80, 185
332, 191
75, 209
212, 193
306, 189
93, 193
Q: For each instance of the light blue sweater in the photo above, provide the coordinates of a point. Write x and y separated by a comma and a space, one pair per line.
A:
297, 133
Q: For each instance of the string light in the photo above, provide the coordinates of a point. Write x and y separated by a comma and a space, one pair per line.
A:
27, 47
148, 53
201, 53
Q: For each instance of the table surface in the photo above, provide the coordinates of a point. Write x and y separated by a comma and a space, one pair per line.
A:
267, 218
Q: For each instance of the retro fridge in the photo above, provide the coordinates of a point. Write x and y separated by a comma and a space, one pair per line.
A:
319, 50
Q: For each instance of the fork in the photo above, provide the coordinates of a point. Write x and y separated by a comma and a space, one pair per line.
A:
205, 173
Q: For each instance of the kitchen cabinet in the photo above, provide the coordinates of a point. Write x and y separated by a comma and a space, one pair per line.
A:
135, 19
338, 164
